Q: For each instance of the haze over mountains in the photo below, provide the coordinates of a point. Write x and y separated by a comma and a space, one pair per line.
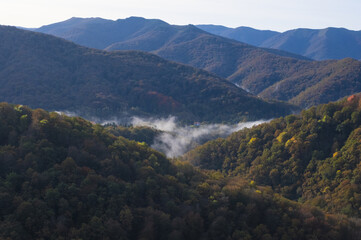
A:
318, 44
48, 72
269, 73
248, 35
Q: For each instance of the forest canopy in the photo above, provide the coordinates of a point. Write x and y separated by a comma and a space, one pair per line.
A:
313, 157
66, 178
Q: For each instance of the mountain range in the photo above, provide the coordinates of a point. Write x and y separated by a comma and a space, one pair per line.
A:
318, 44
39, 70
61, 177
269, 73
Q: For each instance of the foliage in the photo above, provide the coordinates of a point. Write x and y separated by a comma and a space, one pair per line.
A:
313, 157
65, 178
137, 133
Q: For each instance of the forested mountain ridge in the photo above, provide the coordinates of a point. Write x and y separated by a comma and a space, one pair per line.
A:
66, 178
133, 33
318, 44
184, 44
137, 133
268, 73
101, 33
313, 157
247, 35
48, 72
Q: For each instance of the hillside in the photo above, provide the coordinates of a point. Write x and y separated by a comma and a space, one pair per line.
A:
336, 80
258, 70
219, 55
39, 70
313, 157
302, 83
137, 133
65, 178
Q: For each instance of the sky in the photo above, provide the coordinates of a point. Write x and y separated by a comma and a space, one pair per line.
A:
279, 15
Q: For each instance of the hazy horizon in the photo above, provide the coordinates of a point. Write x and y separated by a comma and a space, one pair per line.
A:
184, 24
277, 15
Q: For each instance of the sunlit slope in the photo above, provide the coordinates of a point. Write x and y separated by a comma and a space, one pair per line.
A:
313, 157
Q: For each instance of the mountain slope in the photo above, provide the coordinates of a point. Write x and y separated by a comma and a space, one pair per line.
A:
302, 83
43, 71
65, 178
258, 70
318, 44
247, 35
334, 80
313, 157
100, 33
175, 43
329, 43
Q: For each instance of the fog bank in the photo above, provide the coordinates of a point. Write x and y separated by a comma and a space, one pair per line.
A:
177, 140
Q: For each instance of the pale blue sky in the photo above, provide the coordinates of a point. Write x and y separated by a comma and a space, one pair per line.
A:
277, 15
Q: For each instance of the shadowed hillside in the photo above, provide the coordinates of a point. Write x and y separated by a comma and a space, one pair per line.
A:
270, 73
43, 71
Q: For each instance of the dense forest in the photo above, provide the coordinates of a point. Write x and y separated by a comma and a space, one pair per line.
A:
138, 133
40, 70
313, 157
66, 178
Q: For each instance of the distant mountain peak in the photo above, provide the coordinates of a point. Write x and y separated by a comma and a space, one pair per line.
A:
142, 19
135, 18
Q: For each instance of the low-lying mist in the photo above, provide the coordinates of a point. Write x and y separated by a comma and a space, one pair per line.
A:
177, 140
